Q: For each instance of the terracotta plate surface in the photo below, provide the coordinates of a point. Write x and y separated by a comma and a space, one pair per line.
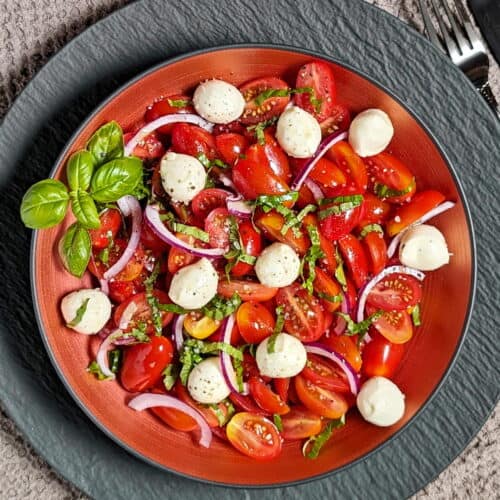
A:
429, 354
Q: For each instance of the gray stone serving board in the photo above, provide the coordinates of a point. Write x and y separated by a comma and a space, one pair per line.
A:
91, 67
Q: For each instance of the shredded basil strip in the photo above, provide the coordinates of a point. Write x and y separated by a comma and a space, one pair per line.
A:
278, 328
238, 369
79, 313
340, 205
313, 253
361, 328
178, 103
209, 164
278, 422
415, 315
321, 439
339, 270
276, 202
237, 252
266, 94
198, 233
173, 308
383, 191
114, 358
220, 307
371, 228
139, 333
330, 298
170, 375
221, 417
258, 129
152, 300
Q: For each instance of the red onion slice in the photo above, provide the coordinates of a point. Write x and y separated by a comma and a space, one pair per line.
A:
341, 322
102, 353
104, 286
239, 207
129, 206
325, 145
178, 333
371, 284
148, 400
127, 314
315, 189
340, 361
391, 249
165, 120
225, 360
152, 216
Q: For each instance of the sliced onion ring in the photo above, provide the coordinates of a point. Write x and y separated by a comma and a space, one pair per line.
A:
340, 361
391, 249
371, 284
148, 400
104, 286
178, 334
152, 216
236, 205
129, 206
127, 315
102, 353
315, 189
225, 360
165, 120
325, 145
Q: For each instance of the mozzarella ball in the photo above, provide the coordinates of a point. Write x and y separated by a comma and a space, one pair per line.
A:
206, 383
195, 285
370, 132
380, 402
287, 359
423, 247
218, 101
278, 265
182, 176
94, 315
298, 132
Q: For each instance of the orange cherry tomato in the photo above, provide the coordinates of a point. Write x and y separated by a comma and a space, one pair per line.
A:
255, 322
300, 423
327, 289
177, 258
350, 163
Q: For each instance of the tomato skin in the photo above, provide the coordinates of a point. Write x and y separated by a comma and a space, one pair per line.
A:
177, 258
230, 146
334, 226
143, 311
319, 76
319, 400
323, 373
282, 386
323, 284
346, 347
218, 336
216, 225
327, 174
143, 364
420, 204
395, 326
273, 106
340, 119
199, 326
111, 221
255, 322
207, 200
396, 292
246, 403
176, 419
151, 241
247, 290
354, 256
350, 163
148, 148
193, 140
266, 398
161, 107
300, 423
252, 244
246, 432
271, 224
376, 251
374, 210
120, 291
381, 358
304, 317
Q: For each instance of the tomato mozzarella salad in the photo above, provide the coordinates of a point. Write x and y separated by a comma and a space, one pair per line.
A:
259, 260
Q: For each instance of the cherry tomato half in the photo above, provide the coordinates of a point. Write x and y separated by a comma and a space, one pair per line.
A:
324, 373
354, 256
381, 358
376, 251
266, 398
217, 227
328, 290
396, 292
335, 226
165, 106
346, 347
300, 423
247, 290
252, 245
230, 146
178, 258
193, 140
111, 221
395, 326
207, 200
350, 163
254, 321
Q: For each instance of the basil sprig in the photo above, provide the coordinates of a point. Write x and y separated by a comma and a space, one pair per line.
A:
360, 328
313, 445
114, 359
259, 128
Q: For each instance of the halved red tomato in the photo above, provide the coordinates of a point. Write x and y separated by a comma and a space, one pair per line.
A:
282, 386
327, 289
193, 140
300, 423
255, 322
328, 262
176, 419
119, 291
252, 245
142, 313
395, 326
148, 148
230, 146
247, 290
177, 258
263, 108
422, 202
374, 210
381, 358
324, 373
351, 164
169, 105
395, 292
321, 401
303, 313
340, 119
266, 398
354, 256
318, 76
337, 225
207, 200
111, 221
346, 347
254, 436
151, 241
217, 227
326, 173
376, 251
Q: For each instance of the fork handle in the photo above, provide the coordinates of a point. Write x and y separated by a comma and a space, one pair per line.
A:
485, 91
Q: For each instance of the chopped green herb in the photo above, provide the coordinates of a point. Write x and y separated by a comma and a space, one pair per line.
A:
339, 270
236, 252
139, 333
191, 231
361, 328
209, 164
315, 443
104, 256
79, 313
278, 422
94, 369
340, 205
276, 202
173, 308
278, 328
259, 128
114, 358
415, 315
152, 300
371, 228
170, 375
330, 298
179, 103
313, 253
316, 102
266, 94
383, 191
219, 307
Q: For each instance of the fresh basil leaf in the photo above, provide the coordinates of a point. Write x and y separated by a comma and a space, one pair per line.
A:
278, 422
173, 308
383, 191
79, 170
79, 313
44, 204
313, 253
107, 143
95, 370
371, 228
415, 315
315, 443
84, 209
75, 248
360, 328
114, 357
115, 179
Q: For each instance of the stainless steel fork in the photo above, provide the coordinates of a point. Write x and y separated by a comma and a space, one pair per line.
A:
461, 43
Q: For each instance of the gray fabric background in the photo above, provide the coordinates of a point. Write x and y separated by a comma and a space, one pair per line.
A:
33, 30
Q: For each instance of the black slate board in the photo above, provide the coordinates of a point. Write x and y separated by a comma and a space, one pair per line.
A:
87, 70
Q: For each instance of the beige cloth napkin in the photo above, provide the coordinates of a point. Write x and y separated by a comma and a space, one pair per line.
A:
31, 31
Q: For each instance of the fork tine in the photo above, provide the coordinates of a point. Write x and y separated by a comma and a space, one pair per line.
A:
429, 27
457, 31
449, 42
464, 18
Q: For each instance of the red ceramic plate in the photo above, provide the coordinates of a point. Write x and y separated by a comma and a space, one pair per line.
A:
430, 352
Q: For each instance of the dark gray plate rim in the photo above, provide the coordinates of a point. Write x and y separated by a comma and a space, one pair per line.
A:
472, 242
